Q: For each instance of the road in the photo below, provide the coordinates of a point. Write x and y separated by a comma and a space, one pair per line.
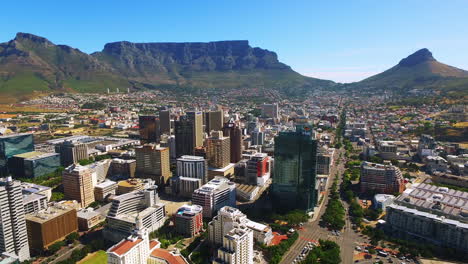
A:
312, 231
65, 253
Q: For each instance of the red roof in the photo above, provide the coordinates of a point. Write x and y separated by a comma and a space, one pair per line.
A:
167, 256
153, 244
124, 246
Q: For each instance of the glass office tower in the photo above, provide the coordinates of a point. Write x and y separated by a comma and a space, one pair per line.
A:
11, 145
294, 180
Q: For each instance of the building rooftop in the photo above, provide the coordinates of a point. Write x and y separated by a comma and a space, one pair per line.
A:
14, 135
87, 213
167, 256
50, 213
28, 197
105, 184
35, 155
33, 188
124, 246
215, 184
436, 200
189, 209
190, 158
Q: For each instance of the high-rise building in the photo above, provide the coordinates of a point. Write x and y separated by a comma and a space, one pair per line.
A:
152, 161
149, 129
257, 137
193, 167
237, 247
13, 232
165, 122
294, 180
215, 194
78, 184
197, 119
184, 136
11, 145
137, 208
381, 178
229, 218
218, 151
71, 152
233, 131
189, 220
50, 225
270, 110
213, 121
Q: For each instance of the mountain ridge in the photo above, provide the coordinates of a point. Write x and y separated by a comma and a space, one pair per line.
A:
31, 63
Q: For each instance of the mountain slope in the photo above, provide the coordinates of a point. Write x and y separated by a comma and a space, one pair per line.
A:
31, 64
419, 70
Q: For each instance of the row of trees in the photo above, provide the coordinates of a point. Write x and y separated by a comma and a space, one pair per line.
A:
275, 253
328, 252
334, 215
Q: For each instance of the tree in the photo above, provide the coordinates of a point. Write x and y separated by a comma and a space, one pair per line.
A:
57, 196
72, 237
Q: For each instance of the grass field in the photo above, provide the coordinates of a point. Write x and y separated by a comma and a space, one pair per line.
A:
99, 257
461, 124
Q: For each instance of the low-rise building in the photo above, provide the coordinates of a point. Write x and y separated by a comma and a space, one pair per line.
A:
88, 218
381, 201
104, 190
133, 184
430, 214
189, 220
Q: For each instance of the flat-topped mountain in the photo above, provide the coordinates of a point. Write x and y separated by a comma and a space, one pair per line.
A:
32, 64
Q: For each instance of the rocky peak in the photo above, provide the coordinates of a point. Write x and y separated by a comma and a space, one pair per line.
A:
33, 38
422, 55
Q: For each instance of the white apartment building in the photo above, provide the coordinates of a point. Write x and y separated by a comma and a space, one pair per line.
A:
131, 209
215, 194
237, 247
229, 218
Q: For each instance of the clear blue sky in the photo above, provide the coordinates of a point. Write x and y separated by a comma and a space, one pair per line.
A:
342, 41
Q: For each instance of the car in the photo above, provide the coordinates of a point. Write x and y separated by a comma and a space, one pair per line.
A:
358, 248
366, 251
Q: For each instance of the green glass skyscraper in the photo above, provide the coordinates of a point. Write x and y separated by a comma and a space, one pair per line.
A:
294, 179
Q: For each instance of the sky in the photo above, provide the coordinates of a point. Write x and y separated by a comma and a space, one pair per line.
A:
343, 41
